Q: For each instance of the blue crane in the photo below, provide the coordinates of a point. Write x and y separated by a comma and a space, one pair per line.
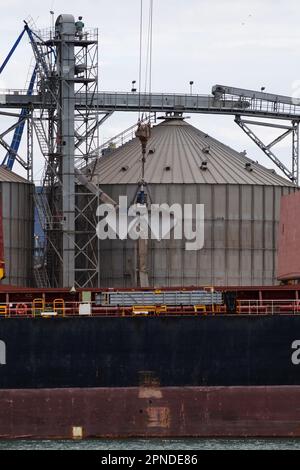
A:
41, 63
10, 157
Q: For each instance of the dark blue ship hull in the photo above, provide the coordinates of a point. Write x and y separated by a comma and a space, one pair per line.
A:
220, 350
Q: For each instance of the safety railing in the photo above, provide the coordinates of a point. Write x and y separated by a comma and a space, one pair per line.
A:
193, 103
268, 307
159, 102
14, 91
59, 308
47, 34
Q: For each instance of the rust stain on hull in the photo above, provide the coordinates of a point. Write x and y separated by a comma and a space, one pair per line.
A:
169, 412
158, 417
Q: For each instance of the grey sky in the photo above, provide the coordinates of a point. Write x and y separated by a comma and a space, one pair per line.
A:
234, 42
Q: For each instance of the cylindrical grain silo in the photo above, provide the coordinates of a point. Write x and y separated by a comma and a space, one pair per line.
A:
241, 205
17, 217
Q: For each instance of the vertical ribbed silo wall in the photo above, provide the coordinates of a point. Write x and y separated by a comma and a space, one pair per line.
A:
240, 244
18, 219
118, 257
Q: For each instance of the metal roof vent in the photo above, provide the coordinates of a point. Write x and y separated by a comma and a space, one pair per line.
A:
206, 149
151, 151
125, 168
248, 166
203, 166
168, 168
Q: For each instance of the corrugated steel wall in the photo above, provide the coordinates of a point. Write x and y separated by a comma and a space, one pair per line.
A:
17, 206
241, 225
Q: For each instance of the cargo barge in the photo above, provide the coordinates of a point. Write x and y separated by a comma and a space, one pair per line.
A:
75, 365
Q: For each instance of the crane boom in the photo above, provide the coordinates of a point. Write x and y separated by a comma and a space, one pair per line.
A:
10, 157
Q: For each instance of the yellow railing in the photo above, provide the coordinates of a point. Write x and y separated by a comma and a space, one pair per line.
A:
59, 306
3, 310
38, 306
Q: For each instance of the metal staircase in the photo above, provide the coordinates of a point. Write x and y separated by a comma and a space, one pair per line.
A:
41, 276
41, 135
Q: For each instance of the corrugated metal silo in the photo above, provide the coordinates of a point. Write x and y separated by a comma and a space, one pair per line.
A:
17, 212
241, 201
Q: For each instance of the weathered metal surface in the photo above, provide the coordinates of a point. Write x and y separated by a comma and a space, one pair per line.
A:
183, 148
9, 176
150, 412
175, 351
289, 238
240, 238
241, 210
17, 219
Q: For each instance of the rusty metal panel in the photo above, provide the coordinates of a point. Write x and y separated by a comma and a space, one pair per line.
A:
289, 238
150, 412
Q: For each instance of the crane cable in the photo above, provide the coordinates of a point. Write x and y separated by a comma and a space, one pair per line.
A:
151, 45
140, 58
143, 131
148, 73
148, 66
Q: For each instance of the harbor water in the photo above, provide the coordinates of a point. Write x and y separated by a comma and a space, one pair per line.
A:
155, 444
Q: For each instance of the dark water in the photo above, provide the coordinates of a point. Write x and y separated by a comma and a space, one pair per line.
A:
156, 444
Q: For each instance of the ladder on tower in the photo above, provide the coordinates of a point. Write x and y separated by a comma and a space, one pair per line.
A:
46, 221
46, 218
41, 276
41, 136
41, 53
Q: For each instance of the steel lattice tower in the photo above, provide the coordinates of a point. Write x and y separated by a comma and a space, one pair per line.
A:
68, 137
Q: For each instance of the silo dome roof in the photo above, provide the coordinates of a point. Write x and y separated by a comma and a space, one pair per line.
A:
8, 176
178, 152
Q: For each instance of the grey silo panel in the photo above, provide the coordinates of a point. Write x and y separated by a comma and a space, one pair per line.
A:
241, 210
269, 203
240, 245
17, 208
234, 202
233, 267
246, 268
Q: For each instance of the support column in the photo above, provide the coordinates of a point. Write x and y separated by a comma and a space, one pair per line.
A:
295, 156
65, 32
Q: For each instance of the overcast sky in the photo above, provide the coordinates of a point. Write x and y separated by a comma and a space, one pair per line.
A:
241, 43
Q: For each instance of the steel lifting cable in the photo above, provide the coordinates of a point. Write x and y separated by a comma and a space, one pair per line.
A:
143, 131
148, 59
149, 53
150, 48
140, 58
